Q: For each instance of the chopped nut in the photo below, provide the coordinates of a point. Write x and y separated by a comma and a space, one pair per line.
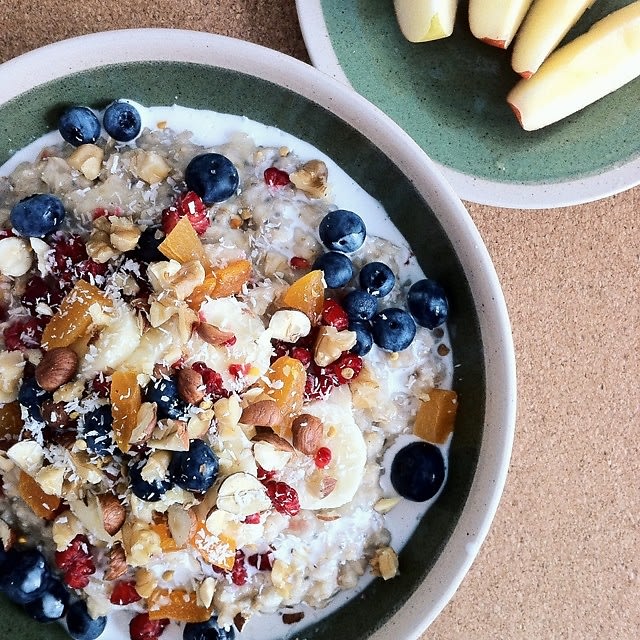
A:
146, 421
327, 485
150, 166
113, 513
182, 524
385, 563
268, 435
117, 563
12, 366
311, 178
124, 233
330, 344
146, 582
65, 528
156, 466
200, 423
239, 621
28, 455
214, 336
170, 435
99, 247
50, 479
292, 618
15, 257
87, 159
205, 592
264, 413
242, 494
8, 536
56, 368
289, 325
140, 543
384, 505
307, 433
190, 386
269, 457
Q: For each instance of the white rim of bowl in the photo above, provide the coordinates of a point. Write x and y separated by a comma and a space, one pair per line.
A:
138, 45
616, 179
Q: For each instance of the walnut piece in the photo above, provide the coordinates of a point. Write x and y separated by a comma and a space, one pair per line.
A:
330, 344
311, 178
87, 159
111, 236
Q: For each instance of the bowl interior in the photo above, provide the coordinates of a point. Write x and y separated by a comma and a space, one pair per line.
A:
31, 114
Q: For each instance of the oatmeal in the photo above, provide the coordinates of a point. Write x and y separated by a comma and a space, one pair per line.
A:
222, 390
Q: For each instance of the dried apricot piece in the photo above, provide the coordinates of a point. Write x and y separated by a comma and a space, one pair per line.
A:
285, 382
73, 319
307, 295
161, 527
184, 245
223, 282
436, 416
10, 424
178, 605
41, 503
218, 550
126, 398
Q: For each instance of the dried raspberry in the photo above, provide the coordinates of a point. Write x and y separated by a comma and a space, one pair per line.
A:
280, 349
254, 518
347, 367
322, 457
23, 333
212, 380
141, 628
275, 177
283, 497
68, 253
239, 370
6, 233
299, 263
320, 382
265, 476
101, 385
99, 212
261, 561
92, 268
302, 354
37, 290
239, 570
187, 204
76, 563
334, 315
124, 592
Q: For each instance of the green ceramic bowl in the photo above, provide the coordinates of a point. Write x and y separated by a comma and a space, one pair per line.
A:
450, 96
199, 70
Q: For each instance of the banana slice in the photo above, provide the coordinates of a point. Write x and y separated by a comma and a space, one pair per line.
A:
348, 452
242, 495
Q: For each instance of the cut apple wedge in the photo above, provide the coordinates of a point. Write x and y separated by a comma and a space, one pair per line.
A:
586, 69
497, 21
424, 20
546, 24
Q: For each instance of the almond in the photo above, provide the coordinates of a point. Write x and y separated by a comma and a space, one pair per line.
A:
113, 513
328, 516
56, 368
307, 432
267, 434
182, 524
146, 421
264, 413
117, 563
8, 536
190, 386
214, 336
327, 485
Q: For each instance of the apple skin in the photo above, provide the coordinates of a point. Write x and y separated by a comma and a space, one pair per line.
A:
586, 69
496, 22
547, 22
425, 20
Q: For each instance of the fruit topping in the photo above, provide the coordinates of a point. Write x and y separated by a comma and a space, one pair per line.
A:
38, 215
79, 125
187, 205
81, 625
322, 457
334, 315
41, 503
360, 305
121, 120
393, 329
126, 398
364, 337
164, 392
124, 592
284, 382
149, 485
307, 295
23, 333
428, 303
51, 604
275, 177
208, 630
196, 469
342, 230
336, 267
436, 416
76, 563
178, 605
418, 471
142, 627
96, 429
183, 244
24, 576
212, 176
377, 279
284, 497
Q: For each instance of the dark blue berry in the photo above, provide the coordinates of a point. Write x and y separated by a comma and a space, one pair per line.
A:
393, 329
81, 625
147, 249
164, 392
196, 469
377, 279
31, 396
417, 471
24, 576
342, 230
212, 176
122, 121
337, 268
79, 125
151, 491
428, 303
51, 605
97, 430
208, 630
360, 305
38, 215
364, 339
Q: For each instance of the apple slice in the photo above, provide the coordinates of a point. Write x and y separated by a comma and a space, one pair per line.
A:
593, 65
496, 21
423, 20
546, 24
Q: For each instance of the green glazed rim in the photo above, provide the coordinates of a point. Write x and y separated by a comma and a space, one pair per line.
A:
205, 71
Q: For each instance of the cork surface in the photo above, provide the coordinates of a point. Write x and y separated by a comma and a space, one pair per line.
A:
562, 559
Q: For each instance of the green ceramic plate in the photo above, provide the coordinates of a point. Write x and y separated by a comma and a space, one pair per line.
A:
213, 72
449, 95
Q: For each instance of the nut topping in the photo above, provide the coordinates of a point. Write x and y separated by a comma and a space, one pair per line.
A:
56, 368
214, 336
117, 565
113, 513
266, 434
307, 432
190, 386
264, 413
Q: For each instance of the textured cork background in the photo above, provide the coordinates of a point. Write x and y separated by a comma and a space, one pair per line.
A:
562, 559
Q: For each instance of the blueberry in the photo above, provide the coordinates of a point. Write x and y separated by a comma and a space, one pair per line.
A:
147, 249
417, 471
377, 279
151, 491
393, 329
364, 339
337, 267
51, 605
360, 305
97, 430
81, 625
31, 396
164, 392
38, 215
208, 630
79, 125
342, 230
212, 176
196, 469
25, 576
428, 304
122, 121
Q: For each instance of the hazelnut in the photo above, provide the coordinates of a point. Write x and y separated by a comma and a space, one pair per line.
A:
264, 413
190, 386
307, 432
